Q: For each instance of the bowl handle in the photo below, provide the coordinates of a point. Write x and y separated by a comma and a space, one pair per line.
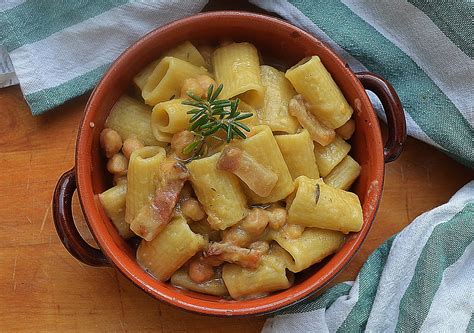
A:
65, 227
397, 132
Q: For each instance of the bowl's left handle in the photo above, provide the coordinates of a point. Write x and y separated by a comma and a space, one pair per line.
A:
65, 227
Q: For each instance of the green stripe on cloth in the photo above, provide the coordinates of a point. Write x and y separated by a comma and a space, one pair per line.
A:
323, 301
447, 243
20, 24
434, 113
52, 97
369, 277
454, 19
470, 327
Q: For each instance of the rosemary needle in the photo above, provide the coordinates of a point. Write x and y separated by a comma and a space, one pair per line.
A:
211, 115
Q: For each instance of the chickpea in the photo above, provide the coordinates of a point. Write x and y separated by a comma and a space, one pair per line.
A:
192, 209
236, 236
130, 145
110, 141
119, 179
256, 222
205, 81
179, 141
292, 231
118, 165
191, 86
200, 271
260, 246
277, 217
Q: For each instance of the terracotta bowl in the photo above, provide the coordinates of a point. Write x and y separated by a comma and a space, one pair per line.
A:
280, 43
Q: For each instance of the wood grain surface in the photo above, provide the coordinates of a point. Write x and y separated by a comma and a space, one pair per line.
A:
43, 288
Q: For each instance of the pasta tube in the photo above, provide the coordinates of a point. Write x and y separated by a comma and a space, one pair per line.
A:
170, 117
344, 174
143, 166
270, 275
237, 67
263, 148
329, 156
218, 191
142, 77
153, 217
246, 108
175, 245
278, 92
311, 79
167, 79
297, 150
257, 177
346, 130
322, 206
311, 247
214, 287
113, 201
317, 131
185, 51
130, 117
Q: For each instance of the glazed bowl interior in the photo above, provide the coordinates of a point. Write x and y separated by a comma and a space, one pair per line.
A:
281, 45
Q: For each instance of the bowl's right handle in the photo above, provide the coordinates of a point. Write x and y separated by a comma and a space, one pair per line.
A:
397, 131
65, 227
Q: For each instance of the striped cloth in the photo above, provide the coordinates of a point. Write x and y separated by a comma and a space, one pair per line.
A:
61, 49
420, 279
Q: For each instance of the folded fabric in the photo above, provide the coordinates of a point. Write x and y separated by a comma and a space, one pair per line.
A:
61, 49
421, 280
423, 49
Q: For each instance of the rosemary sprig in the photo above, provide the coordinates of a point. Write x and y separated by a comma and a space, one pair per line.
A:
211, 115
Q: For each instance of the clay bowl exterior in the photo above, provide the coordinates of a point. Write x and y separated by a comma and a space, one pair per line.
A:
278, 40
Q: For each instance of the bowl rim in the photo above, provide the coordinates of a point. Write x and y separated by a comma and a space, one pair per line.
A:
87, 197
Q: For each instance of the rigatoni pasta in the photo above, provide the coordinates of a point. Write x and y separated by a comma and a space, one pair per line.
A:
170, 117
278, 93
218, 191
143, 167
185, 51
322, 206
327, 157
317, 131
311, 79
344, 174
130, 117
297, 150
233, 179
237, 67
165, 82
263, 147
113, 201
175, 245
311, 247
269, 276
214, 286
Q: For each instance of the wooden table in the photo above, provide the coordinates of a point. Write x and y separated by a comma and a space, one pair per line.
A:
43, 288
